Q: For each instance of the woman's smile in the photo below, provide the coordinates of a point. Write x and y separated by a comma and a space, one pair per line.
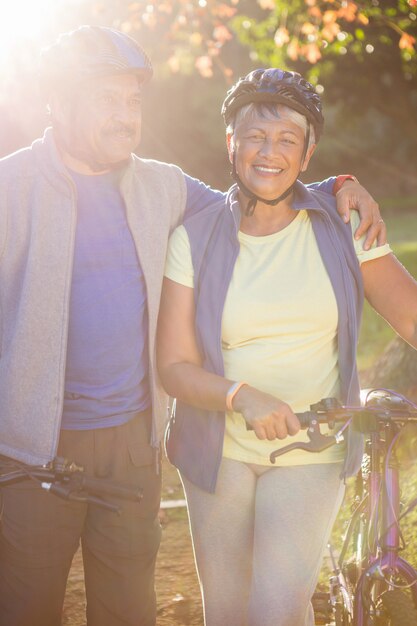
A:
267, 170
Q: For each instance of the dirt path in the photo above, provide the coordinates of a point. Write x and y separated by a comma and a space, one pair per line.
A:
179, 601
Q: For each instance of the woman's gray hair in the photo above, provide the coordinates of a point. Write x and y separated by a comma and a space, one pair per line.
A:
271, 111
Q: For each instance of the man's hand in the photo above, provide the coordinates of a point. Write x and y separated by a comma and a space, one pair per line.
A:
353, 196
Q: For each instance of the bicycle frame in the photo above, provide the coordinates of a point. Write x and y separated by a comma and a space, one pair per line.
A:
383, 563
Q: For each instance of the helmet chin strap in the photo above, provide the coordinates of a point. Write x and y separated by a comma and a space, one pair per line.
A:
253, 198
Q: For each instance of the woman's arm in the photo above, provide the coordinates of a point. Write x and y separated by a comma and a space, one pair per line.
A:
392, 292
179, 361
183, 377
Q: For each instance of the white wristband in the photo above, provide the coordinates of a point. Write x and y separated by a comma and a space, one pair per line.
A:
232, 391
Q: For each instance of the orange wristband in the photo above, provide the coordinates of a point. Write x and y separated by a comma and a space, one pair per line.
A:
231, 394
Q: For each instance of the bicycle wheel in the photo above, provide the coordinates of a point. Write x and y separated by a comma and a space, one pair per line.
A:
386, 607
399, 608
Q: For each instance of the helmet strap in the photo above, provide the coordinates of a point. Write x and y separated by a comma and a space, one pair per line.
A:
306, 142
253, 198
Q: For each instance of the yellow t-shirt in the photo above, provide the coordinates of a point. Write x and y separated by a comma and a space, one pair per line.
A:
279, 328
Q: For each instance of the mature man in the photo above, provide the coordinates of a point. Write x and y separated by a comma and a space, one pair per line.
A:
83, 232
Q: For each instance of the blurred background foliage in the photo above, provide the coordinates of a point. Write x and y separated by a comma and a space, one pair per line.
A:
361, 55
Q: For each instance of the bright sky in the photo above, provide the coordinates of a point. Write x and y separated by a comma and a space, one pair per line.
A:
23, 20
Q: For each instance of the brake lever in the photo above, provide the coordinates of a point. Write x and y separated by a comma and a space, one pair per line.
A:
318, 442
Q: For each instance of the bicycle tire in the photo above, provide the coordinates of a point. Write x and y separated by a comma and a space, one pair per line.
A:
399, 608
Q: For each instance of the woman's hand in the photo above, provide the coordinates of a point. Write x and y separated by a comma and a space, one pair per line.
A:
269, 417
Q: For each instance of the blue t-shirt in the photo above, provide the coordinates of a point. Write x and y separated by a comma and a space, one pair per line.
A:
107, 356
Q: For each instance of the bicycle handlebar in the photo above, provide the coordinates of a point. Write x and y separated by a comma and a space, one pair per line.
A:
387, 408
103, 487
67, 480
364, 419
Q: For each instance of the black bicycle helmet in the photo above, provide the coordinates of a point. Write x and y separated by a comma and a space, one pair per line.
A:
91, 51
275, 85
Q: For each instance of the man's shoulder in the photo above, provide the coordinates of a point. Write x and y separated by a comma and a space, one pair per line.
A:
158, 167
158, 184
16, 162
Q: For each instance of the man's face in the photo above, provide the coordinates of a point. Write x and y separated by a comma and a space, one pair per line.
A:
103, 123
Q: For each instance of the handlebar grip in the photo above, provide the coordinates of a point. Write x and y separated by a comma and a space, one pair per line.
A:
306, 418
102, 487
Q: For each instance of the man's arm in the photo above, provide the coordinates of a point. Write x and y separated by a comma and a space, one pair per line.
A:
350, 195
199, 195
347, 190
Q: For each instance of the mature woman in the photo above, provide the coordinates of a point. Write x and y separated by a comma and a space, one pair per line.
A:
259, 319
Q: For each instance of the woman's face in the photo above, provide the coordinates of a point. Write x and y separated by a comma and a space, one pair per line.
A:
268, 153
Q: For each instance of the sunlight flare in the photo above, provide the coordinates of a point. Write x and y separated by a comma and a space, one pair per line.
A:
22, 21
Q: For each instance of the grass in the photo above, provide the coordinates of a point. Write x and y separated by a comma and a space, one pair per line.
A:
403, 204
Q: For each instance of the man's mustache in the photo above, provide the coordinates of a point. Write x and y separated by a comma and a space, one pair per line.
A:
115, 129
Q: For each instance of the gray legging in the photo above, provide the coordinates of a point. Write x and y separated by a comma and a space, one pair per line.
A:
260, 539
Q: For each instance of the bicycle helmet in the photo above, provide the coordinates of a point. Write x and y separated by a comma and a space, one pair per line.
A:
91, 51
273, 86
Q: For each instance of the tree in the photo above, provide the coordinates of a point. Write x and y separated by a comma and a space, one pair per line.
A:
396, 368
362, 54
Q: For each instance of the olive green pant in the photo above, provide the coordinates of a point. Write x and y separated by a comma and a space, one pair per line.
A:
41, 533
